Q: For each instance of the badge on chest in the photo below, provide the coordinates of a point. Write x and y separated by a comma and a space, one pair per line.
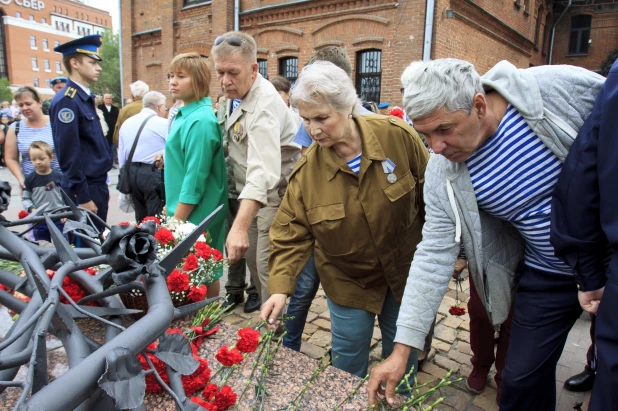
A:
237, 132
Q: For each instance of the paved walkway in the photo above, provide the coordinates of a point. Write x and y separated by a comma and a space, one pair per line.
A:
451, 344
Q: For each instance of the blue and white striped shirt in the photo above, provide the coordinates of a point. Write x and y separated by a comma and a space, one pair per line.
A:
513, 175
27, 136
354, 164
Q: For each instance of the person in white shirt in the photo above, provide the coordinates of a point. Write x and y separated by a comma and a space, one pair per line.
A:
144, 177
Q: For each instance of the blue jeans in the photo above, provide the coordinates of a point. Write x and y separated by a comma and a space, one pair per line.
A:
41, 231
352, 329
306, 289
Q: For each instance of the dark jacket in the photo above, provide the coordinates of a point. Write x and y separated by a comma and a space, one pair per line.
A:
110, 117
584, 206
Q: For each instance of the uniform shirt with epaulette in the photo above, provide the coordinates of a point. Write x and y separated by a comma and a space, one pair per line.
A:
82, 150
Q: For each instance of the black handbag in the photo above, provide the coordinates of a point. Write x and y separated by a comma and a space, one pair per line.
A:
123, 176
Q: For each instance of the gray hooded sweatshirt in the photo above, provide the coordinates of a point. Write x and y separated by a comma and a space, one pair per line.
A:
555, 101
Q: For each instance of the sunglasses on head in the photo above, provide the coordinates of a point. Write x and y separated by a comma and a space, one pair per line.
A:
235, 41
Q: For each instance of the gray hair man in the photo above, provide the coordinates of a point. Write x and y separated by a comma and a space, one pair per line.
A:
260, 131
138, 90
144, 178
500, 142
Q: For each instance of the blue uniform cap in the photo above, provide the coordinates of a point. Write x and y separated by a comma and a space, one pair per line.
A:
383, 105
88, 45
57, 80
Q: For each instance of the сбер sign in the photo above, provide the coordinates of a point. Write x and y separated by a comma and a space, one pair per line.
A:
30, 4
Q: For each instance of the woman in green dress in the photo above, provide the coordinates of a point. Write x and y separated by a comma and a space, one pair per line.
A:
195, 176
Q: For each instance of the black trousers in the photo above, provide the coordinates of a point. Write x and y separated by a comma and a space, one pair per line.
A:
546, 307
605, 390
145, 182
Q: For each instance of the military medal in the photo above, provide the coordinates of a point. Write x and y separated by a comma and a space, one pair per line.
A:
237, 134
388, 166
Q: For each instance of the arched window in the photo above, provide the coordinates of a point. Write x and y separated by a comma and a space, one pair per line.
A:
263, 67
369, 74
288, 68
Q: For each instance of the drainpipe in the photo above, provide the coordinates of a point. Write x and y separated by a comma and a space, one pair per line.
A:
120, 47
553, 32
429, 8
236, 15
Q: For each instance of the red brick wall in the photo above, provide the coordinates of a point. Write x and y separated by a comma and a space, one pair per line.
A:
603, 33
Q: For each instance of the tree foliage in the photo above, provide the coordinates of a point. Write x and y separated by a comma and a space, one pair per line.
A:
607, 64
109, 80
5, 91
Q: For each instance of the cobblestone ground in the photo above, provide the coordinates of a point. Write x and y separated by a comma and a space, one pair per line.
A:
450, 351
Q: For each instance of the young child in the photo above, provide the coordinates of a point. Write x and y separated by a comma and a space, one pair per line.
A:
42, 186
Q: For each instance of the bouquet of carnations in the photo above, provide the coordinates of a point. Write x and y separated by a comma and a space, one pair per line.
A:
189, 281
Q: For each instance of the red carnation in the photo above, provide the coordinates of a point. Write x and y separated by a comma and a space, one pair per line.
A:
225, 398
124, 223
203, 250
396, 112
197, 293
23, 214
174, 331
210, 391
164, 236
178, 281
91, 271
152, 218
229, 357
199, 402
190, 263
216, 255
4, 288
249, 340
454, 310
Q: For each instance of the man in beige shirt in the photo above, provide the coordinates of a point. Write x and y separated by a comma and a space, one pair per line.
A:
260, 132
138, 90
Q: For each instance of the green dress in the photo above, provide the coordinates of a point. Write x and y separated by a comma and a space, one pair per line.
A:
195, 171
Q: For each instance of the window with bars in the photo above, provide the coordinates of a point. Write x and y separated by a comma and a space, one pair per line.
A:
369, 74
263, 67
580, 34
288, 68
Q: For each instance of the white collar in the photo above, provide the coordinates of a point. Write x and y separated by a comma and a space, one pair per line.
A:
86, 89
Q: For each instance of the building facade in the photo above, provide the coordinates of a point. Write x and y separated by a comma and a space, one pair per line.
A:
381, 36
29, 31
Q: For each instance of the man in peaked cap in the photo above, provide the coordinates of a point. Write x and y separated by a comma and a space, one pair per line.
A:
83, 152
57, 84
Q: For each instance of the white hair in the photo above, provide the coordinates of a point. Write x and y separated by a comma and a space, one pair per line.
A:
139, 89
153, 99
444, 83
323, 82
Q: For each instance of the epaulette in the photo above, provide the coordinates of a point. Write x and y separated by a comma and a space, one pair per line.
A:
70, 92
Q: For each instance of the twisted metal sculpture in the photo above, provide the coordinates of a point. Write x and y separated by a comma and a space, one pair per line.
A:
100, 377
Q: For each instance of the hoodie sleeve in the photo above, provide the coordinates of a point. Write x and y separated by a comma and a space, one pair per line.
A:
432, 266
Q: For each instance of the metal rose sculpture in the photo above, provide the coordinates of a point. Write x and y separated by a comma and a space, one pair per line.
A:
132, 251
100, 376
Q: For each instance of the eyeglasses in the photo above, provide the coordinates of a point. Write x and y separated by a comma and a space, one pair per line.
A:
235, 41
166, 109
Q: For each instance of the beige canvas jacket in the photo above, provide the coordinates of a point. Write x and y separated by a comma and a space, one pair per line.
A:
260, 135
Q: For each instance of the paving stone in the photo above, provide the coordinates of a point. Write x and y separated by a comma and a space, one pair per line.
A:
463, 336
443, 308
460, 357
325, 315
439, 318
310, 328
374, 343
455, 398
453, 294
463, 347
465, 325
321, 339
320, 292
305, 337
487, 400
376, 353
445, 334
434, 370
452, 321
432, 354
312, 351
424, 378
440, 346
377, 333
234, 319
319, 305
311, 317
444, 362
322, 323
465, 371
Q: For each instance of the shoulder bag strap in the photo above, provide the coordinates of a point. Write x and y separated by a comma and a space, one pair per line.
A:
139, 132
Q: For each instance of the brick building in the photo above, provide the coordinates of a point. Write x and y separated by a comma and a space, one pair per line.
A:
381, 36
29, 31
